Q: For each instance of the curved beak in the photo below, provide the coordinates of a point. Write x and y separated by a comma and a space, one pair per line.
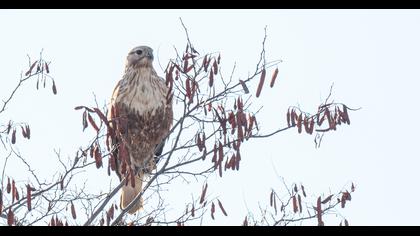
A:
150, 55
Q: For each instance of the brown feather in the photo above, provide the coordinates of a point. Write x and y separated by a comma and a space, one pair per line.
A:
144, 120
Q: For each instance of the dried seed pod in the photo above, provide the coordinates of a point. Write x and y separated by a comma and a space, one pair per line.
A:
31, 68
299, 123
303, 190
213, 209
261, 83
28, 132
319, 212
300, 203
215, 67
47, 68
188, 88
73, 211
222, 208
13, 190
211, 78
54, 88
10, 217
244, 87
92, 122
273, 78
9, 186
203, 194
14, 136
29, 197
295, 207
326, 200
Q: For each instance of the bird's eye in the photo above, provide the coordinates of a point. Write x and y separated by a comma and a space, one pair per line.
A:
138, 52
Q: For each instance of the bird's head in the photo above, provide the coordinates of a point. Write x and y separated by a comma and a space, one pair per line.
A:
140, 56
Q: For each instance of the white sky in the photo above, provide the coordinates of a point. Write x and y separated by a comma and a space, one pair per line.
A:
372, 56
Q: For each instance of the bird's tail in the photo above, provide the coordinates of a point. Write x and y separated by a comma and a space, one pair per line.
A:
128, 194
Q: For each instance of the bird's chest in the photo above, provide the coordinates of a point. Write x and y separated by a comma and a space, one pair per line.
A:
143, 98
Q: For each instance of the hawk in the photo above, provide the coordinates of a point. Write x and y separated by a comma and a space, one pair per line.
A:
141, 117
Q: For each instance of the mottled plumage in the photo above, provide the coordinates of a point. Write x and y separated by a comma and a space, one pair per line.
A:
142, 119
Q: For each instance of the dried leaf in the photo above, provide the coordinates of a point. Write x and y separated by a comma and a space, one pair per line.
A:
92, 122
346, 223
73, 211
203, 194
352, 187
218, 59
245, 88
221, 208
273, 78
295, 188
261, 83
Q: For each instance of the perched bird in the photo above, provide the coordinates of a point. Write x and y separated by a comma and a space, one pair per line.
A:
141, 116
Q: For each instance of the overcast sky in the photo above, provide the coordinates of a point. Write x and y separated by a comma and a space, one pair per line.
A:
371, 56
